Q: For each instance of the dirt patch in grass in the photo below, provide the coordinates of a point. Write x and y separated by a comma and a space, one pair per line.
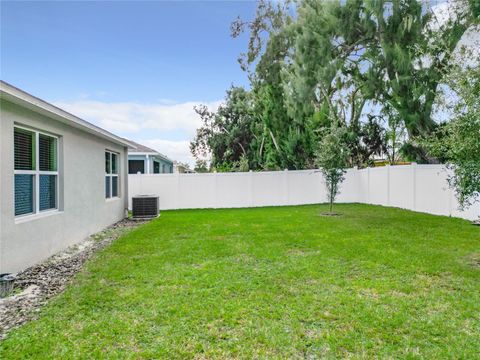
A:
302, 252
35, 285
330, 214
473, 260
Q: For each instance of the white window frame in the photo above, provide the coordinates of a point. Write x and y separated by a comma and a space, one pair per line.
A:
111, 175
36, 174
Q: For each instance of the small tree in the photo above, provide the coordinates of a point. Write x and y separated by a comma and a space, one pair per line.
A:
201, 166
457, 142
241, 165
332, 158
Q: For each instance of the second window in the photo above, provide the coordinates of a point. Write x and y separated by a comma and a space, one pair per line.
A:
111, 175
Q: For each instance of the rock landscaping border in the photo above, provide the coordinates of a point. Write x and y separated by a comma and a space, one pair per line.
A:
35, 285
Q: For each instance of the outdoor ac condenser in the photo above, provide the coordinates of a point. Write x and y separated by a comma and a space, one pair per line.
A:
145, 206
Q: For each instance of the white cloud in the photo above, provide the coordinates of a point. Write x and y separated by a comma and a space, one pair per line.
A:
132, 117
470, 41
140, 122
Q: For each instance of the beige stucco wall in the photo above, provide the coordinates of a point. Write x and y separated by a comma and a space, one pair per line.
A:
83, 209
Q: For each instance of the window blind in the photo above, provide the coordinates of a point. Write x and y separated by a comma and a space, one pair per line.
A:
47, 153
114, 164
107, 163
24, 149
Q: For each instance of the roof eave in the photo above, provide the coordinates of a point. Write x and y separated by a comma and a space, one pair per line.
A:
14, 95
134, 153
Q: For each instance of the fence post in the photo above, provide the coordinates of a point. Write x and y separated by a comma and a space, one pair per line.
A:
357, 182
285, 188
368, 185
414, 182
177, 196
215, 190
450, 196
250, 187
451, 193
387, 166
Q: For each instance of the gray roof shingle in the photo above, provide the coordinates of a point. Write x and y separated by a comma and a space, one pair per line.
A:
139, 148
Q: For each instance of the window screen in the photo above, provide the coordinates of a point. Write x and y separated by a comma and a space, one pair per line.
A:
48, 192
136, 166
107, 162
114, 164
114, 186
47, 148
111, 174
24, 194
107, 187
24, 149
35, 188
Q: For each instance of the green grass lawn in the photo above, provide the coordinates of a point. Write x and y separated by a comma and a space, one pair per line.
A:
271, 283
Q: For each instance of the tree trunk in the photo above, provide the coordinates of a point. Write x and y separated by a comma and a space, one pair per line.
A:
331, 198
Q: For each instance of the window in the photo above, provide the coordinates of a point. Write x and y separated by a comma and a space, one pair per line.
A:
163, 168
156, 167
35, 171
111, 175
136, 166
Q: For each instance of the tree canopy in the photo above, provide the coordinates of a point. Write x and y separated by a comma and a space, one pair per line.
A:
374, 68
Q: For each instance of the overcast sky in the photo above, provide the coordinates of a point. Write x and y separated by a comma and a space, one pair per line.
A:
133, 68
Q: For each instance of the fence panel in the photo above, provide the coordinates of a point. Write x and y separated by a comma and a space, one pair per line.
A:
416, 187
233, 190
401, 187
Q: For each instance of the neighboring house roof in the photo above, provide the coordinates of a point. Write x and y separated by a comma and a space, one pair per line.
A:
140, 149
20, 97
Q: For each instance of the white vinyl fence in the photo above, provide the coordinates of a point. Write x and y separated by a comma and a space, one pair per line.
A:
421, 188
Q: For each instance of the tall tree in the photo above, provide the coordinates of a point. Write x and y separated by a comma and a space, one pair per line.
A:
329, 79
458, 141
281, 141
353, 56
412, 51
226, 134
372, 67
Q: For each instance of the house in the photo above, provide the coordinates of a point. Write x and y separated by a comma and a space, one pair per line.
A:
143, 160
181, 168
61, 179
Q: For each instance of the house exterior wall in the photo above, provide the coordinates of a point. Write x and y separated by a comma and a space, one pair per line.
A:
166, 167
139, 157
151, 159
82, 207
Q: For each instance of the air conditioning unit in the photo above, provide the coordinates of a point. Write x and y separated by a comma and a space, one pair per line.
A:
145, 206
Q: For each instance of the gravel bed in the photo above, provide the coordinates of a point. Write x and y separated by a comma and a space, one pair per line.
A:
35, 285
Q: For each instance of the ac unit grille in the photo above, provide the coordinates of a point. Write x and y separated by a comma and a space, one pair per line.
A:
145, 206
